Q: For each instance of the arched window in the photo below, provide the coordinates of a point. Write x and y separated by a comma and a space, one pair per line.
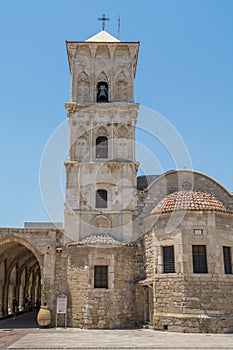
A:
102, 147
101, 199
102, 91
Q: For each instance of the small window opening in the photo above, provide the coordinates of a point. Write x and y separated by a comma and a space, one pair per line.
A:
198, 232
101, 277
227, 260
102, 92
199, 259
101, 199
101, 147
168, 259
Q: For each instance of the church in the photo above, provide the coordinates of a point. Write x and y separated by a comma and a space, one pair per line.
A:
152, 250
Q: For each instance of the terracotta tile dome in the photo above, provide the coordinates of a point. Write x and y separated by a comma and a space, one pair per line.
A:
189, 200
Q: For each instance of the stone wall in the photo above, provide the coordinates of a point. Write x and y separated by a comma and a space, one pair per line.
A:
91, 307
185, 301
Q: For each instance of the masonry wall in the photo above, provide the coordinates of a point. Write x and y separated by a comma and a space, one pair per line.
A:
185, 301
91, 307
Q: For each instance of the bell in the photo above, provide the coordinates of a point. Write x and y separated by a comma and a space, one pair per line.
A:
102, 94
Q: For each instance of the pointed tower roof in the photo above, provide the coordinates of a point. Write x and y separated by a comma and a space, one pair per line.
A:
102, 37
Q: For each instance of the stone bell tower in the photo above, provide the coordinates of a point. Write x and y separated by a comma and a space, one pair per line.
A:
101, 168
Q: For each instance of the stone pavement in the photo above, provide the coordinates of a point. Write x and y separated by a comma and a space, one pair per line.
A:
126, 339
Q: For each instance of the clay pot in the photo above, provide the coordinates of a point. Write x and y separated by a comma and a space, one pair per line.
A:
44, 316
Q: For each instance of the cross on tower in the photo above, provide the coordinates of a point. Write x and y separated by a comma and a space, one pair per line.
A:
103, 19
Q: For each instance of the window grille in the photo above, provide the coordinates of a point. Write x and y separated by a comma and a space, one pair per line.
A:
227, 260
101, 277
199, 259
198, 232
168, 259
101, 200
101, 147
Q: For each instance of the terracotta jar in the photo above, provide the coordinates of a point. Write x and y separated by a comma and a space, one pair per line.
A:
44, 316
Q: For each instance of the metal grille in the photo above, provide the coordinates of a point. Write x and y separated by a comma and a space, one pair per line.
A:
101, 147
227, 260
199, 259
101, 277
101, 200
168, 259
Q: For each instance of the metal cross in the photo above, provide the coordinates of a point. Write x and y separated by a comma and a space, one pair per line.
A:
103, 19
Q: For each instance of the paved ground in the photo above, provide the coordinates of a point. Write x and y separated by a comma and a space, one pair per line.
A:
15, 335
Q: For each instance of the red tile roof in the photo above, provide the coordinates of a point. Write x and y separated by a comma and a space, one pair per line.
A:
189, 200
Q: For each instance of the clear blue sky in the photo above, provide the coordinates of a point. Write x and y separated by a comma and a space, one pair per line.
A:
185, 72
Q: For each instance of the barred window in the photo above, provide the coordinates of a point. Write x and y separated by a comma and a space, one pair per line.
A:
168, 259
227, 260
101, 277
102, 147
199, 259
101, 199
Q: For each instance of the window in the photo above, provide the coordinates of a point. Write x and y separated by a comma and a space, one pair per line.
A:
102, 147
199, 259
168, 259
101, 199
227, 260
101, 277
198, 232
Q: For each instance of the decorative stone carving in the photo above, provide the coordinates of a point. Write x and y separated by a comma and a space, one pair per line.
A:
101, 224
121, 87
83, 88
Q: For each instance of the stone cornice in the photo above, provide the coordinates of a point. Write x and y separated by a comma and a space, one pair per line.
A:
72, 107
72, 48
110, 163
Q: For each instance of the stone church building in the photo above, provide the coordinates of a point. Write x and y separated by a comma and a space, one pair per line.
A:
154, 250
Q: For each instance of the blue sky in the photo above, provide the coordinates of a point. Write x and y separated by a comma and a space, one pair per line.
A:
185, 72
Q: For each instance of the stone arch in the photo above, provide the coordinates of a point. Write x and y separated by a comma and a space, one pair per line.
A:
122, 50
102, 50
83, 87
19, 262
121, 87
102, 77
102, 131
123, 131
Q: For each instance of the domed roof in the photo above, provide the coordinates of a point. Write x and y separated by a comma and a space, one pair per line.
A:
189, 200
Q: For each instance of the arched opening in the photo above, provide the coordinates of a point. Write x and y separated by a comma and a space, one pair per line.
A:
101, 147
20, 277
101, 200
102, 91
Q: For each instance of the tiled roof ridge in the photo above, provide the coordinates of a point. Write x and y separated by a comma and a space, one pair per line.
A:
189, 200
97, 239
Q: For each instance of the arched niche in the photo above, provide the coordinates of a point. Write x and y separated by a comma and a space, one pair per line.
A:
122, 142
121, 90
83, 88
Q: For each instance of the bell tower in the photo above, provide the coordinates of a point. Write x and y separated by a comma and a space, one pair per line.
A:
101, 169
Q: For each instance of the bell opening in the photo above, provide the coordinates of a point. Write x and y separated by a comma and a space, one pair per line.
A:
102, 92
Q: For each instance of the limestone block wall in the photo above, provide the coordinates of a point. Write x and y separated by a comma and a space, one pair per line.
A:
186, 301
91, 307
